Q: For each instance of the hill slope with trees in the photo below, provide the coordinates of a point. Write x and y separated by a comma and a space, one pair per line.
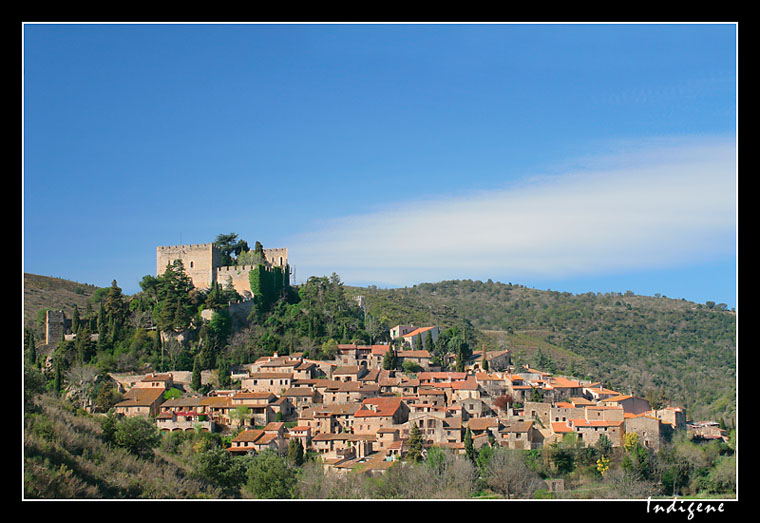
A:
671, 350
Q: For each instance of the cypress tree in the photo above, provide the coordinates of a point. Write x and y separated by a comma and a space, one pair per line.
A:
469, 448
196, 383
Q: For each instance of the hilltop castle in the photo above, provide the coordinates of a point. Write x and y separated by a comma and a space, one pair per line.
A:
202, 263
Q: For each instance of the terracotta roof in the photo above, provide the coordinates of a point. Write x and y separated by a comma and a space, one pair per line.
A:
417, 331
579, 422
271, 375
137, 397
274, 425
157, 377
347, 369
517, 426
384, 406
482, 423
249, 435
469, 384
413, 354
252, 395
216, 401
560, 427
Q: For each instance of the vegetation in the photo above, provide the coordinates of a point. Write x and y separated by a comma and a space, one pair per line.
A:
672, 351
682, 351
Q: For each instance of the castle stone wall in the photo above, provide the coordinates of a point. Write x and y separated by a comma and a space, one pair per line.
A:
200, 261
238, 276
276, 257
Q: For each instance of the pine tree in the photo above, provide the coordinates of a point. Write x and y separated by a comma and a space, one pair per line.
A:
415, 444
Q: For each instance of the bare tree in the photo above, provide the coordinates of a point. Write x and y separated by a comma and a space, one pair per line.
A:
81, 378
507, 474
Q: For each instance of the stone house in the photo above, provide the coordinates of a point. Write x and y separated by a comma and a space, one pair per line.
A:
274, 382
259, 405
349, 372
379, 412
350, 392
180, 421
519, 435
376, 356
419, 357
331, 446
156, 381
673, 416
630, 404
600, 412
589, 431
651, 431
419, 335
489, 426
302, 397
436, 427
140, 402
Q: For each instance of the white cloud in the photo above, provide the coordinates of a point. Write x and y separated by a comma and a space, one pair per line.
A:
657, 205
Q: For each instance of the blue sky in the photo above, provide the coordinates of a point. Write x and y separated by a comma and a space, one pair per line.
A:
575, 157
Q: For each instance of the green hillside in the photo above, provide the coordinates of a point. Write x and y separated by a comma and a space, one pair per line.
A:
684, 351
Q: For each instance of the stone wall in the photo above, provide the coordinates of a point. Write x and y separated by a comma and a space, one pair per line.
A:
200, 261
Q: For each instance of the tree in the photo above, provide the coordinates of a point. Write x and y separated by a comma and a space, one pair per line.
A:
223, 372
415, 444
507, 474
295, 452
469, 448
196, 379
390, 360
241, 413
428, 345
229, 245
270, 477
138, 435
218, 467
172, 394
81, 378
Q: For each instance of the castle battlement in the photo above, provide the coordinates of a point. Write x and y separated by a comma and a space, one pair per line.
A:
235, 268
187, 246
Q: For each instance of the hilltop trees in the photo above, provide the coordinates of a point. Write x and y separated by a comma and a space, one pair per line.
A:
230, 246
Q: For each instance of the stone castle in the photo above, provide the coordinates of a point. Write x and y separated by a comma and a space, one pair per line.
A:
202, 263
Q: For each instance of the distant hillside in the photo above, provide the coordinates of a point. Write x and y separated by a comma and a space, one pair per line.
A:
635, 343
45, 292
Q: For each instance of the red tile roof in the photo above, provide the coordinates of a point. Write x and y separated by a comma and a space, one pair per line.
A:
378, 407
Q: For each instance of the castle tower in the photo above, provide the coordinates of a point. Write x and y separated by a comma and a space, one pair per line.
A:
200, 261
55, 326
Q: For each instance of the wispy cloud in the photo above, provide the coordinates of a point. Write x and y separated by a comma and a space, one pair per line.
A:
635, 207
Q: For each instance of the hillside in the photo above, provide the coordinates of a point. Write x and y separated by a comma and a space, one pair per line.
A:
45, 292
682, 350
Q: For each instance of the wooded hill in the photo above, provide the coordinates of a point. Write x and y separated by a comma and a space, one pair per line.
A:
670, 350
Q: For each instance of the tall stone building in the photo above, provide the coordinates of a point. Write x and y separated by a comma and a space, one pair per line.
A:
202, 263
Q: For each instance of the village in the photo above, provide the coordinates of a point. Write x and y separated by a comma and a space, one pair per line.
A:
355, 414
